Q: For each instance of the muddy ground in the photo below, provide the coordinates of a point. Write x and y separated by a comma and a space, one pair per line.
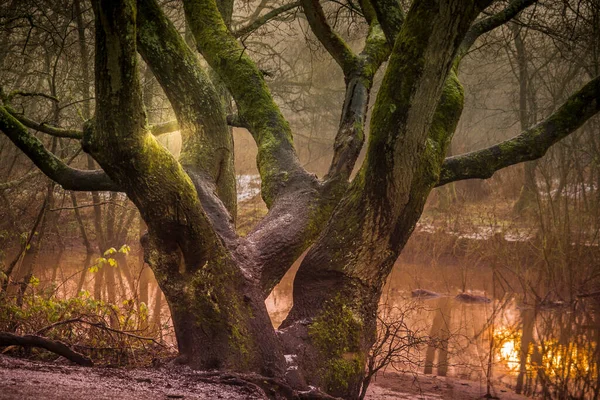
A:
24, 379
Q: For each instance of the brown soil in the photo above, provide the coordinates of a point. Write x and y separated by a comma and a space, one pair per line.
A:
33, 380
23, 380
388, 386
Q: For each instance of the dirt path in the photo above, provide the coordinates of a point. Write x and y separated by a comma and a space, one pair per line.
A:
30, 380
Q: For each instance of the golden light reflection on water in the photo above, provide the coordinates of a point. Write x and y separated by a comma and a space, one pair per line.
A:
557, 360
508, 352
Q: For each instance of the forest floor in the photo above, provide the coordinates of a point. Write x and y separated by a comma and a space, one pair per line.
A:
23, 380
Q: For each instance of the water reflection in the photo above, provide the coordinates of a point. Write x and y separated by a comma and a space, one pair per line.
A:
548, 350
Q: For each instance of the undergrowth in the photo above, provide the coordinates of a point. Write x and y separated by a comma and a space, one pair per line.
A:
110, 334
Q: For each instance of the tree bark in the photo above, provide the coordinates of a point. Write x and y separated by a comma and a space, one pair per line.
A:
218, 312
338, 285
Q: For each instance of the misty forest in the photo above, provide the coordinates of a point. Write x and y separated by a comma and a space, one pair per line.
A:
312, 199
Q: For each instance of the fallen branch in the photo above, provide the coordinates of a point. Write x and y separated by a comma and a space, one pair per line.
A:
98, 325
9, 339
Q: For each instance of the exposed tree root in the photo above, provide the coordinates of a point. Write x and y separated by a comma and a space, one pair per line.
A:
273, 388
55, 346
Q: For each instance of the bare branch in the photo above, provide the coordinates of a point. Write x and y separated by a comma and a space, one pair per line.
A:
156, 130
492, 22
22, 93
257, 23
99, 325
531, 144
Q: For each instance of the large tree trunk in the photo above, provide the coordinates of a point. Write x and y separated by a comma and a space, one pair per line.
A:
338, 285
217, 306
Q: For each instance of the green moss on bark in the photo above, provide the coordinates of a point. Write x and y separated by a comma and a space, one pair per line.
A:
336, 333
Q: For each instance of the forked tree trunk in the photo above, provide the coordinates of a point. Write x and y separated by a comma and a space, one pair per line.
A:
214, 281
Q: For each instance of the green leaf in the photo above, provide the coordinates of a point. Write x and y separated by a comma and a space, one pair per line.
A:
33, 281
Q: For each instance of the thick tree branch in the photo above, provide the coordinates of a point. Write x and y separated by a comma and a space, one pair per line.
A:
384, 200
69, 178
260, 21
332, 42
284, 234
277, 161
153, 179
10, 339
280, 239
207, 144
530, 144
350, 137
390, 16
450, 107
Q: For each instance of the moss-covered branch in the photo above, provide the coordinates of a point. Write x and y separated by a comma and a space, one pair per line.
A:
164, 127
277, 160
530, 144
18, 181
264, 19
207, 145
45, 128
344, 271
450, 107
54, 168
390, 16
121, 143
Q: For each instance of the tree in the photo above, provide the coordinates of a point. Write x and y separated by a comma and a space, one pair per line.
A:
216, 281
